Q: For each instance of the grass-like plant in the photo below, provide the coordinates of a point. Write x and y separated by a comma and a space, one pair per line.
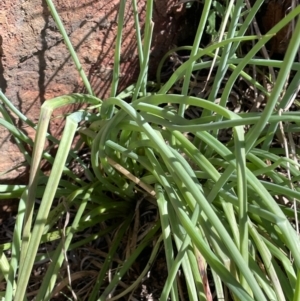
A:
217, 202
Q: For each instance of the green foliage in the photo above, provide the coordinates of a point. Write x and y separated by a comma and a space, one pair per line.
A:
217, 202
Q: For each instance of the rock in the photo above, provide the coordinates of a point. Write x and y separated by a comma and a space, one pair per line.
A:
35, 64
272, 12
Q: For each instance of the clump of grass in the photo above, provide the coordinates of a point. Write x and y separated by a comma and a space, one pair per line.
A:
217, 203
